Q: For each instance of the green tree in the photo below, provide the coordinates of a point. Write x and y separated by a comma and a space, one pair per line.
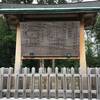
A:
7, 44
11, 1
89, 48
27, 1
41, 1
62, 1
51, 1
18, 1
96, 29
96, 32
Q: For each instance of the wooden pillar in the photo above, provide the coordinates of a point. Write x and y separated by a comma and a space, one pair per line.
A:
82, 49
18, 50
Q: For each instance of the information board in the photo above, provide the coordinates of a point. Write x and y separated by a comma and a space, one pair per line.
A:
50, 38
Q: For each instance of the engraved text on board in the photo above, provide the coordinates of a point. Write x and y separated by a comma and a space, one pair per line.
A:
50, 38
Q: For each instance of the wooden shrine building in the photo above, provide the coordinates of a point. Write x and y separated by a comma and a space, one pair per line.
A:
50, 31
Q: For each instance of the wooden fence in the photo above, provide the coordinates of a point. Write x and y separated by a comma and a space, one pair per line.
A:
67, 83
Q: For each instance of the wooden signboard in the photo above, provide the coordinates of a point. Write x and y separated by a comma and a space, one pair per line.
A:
50, 38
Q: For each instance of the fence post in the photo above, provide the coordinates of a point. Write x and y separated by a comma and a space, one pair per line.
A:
24, 82
97, 83
40, 82
32, 83
72, 83
48, 86
64, 82
1, 80
56, 88
81, 84
89, 85
16, 84
9, 82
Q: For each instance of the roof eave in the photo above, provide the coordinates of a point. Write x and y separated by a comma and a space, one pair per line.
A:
47, 10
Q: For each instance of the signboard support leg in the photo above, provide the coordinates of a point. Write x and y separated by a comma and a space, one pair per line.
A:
18, 51
53, 64
42, 63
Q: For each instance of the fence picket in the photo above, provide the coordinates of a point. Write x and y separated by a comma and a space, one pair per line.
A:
16, 85
56, 87
1, 80
89, 85
48, 86
72, 82
9, 82
40, 82
81, 86
97, 83
64, 82
32, 83
24, 82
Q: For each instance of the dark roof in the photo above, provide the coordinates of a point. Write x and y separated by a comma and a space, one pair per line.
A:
61, 8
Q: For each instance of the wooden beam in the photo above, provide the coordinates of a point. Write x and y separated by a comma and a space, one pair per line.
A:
51, 57
18, 50
82, 49
49, 15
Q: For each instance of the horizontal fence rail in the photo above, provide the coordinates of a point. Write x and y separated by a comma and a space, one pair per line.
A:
67, 83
